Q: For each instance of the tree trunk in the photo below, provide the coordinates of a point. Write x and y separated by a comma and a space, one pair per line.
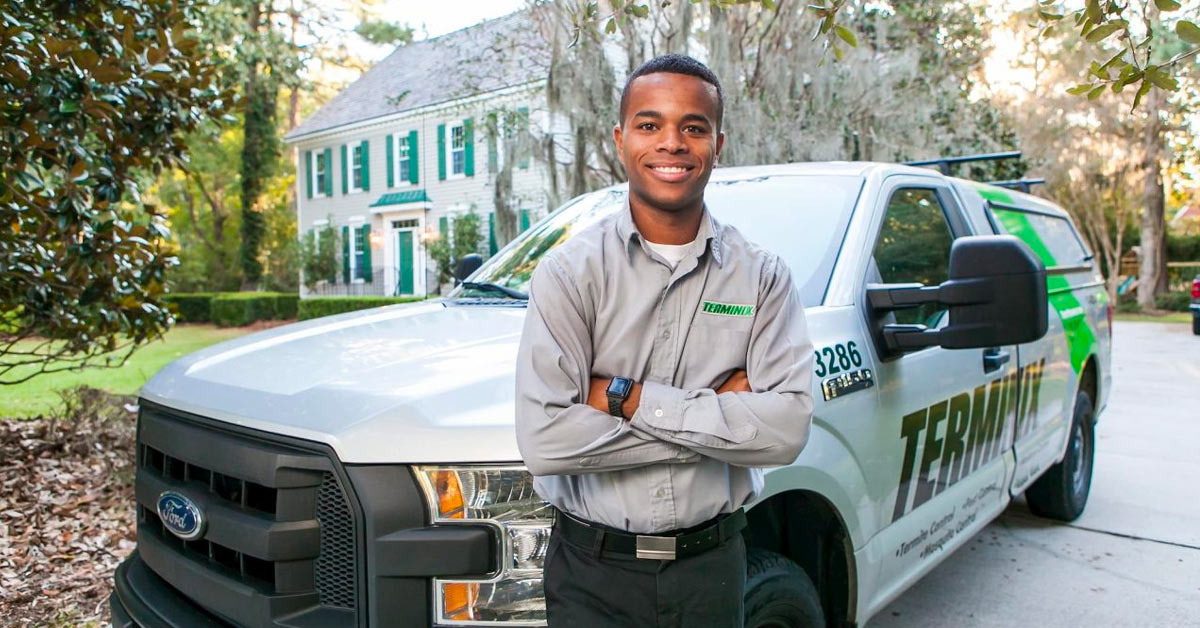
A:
1150, 273
259, 151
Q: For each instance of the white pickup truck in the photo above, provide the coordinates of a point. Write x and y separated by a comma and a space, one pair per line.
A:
362, 469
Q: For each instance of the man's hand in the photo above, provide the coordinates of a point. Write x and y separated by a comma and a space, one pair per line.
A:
737, 381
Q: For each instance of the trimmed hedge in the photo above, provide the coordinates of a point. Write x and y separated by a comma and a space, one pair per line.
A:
317, 307
234, 309
1173, 301
193, 307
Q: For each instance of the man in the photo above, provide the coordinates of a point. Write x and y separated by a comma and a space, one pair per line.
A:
664, 360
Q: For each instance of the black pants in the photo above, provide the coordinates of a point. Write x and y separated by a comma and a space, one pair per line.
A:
588, 591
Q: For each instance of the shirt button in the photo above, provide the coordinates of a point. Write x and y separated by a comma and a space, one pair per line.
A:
660, 493
666, 333
658, 413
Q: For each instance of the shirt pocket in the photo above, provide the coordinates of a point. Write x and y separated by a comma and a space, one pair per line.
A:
722, 338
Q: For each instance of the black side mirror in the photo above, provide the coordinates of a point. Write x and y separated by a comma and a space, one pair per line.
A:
467, 265
996, 294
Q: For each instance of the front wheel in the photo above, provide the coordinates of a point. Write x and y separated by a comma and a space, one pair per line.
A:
1062, 491
779, 594
1196, 324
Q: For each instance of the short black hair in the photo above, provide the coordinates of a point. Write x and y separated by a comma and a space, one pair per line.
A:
675, 64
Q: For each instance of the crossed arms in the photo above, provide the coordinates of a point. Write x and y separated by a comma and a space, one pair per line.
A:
758, 417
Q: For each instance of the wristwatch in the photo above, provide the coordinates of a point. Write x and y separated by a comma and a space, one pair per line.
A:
618, 391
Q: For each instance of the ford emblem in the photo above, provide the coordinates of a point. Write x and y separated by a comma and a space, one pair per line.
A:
180, 515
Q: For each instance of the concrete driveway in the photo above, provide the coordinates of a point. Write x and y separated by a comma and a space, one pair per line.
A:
1133, 558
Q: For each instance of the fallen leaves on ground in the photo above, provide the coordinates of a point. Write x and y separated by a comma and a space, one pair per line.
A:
66, 510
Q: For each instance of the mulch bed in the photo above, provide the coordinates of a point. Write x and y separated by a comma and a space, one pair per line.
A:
66, 510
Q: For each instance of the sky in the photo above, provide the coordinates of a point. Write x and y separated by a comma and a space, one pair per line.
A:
438, 17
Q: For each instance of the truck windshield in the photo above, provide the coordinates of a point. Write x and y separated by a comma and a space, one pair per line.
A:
800, 218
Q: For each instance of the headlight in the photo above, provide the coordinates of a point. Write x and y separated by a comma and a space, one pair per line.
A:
502, 496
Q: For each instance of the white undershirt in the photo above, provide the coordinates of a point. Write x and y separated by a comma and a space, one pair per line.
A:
670, 252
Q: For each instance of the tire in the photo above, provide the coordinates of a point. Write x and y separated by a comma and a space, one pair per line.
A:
1062, 491
1196, 324
779, 593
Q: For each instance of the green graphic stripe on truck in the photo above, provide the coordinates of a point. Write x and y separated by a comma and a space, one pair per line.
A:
1080, 337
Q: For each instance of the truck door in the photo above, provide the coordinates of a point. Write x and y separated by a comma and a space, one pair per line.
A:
944, 412
1049, 365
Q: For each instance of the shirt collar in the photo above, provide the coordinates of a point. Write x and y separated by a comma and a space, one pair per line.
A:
710, 231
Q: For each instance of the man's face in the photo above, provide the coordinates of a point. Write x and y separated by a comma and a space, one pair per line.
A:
668, 140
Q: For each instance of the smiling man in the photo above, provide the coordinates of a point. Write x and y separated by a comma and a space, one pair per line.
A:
664, 361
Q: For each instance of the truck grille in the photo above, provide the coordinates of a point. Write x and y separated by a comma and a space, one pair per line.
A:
280, 538
335, 566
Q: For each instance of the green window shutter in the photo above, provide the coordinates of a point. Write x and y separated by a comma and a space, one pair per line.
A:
492, 248
364, 261
524, 219
308, 174
444, 227
345, 179
346, 254
469, 147
391, 163
493, 154
328, 172
366, 166
441, 152
523, 127
412, 157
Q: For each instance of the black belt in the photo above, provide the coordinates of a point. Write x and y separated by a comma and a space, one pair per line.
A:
664, 546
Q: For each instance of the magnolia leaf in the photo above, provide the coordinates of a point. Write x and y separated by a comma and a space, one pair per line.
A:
1166, 5
769, 4
68, 106
611, 27
79, 171
1095, 93
1079, 89
846, 35
1100, 33
1142, 91
1162, 79
1094, 12
1188, 31
1114, 59
1050, 17
837, 52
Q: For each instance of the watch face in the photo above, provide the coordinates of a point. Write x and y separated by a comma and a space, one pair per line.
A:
619, 386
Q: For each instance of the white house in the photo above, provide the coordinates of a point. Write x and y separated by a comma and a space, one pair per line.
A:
392, 159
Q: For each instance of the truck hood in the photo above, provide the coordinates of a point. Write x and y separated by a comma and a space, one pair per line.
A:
426, 382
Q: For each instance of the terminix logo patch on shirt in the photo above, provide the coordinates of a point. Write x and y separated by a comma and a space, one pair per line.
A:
727, 309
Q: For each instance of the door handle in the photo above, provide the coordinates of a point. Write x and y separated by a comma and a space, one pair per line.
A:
994, 358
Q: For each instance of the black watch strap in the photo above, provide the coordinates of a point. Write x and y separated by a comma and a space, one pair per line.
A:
614, 406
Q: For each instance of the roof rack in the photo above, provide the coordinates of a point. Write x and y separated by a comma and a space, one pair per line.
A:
1018, 184
944, 163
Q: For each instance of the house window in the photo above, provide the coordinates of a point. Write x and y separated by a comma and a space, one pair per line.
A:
405, 163
458, 150
356, 168
356, 248
322, 170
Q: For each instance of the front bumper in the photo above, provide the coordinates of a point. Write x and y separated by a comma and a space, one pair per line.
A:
141, 598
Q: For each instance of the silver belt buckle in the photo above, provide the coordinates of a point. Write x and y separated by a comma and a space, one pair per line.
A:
656, 547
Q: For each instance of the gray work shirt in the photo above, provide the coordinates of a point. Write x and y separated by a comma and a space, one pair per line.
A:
604, 304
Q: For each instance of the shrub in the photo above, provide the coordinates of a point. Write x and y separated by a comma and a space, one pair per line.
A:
195, 307
328, 306
1173, 301
234, 309
287, 305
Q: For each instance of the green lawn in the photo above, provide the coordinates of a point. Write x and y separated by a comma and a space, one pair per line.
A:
40, 394
1173, 317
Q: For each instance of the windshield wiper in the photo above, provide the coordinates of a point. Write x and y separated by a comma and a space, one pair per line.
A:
492, 287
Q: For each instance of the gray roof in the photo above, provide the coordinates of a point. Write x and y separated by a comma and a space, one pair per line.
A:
491, 55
